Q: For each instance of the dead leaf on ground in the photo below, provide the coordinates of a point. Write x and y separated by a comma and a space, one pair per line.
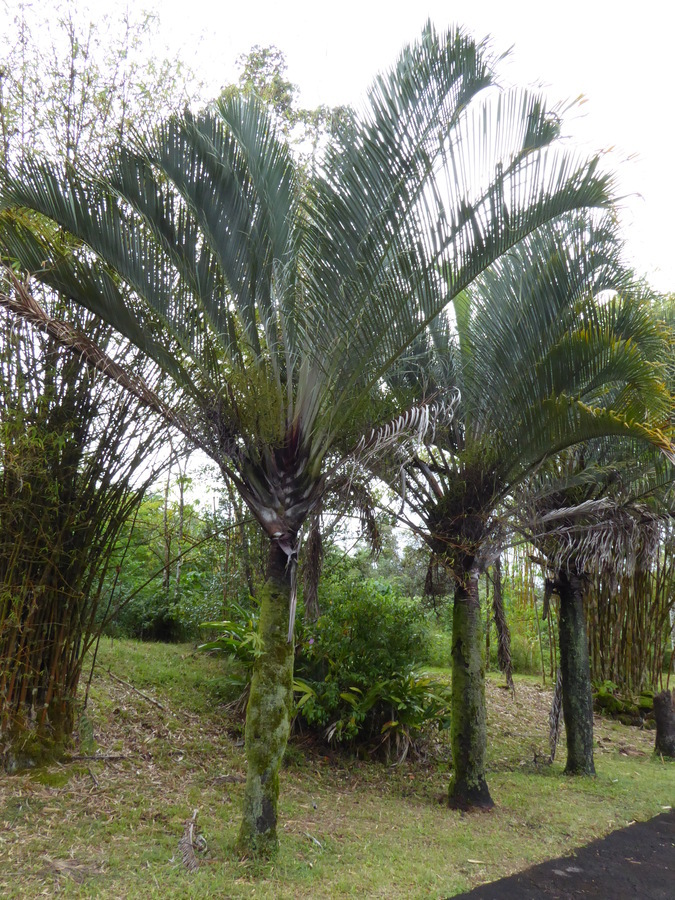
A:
72, 868
229, 779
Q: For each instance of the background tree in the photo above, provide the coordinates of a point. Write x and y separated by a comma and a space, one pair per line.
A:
263, 76
213, 568
70, 87
66, 90
70, 452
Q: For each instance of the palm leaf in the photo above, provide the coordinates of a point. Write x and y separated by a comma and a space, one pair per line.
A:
544, 359
277, 306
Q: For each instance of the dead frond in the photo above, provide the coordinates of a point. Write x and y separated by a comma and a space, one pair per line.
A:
555, 716
602, 536
416, 424
313, 561
190, 842
503, 633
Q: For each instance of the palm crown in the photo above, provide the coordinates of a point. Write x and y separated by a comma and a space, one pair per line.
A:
277, 303
546, 353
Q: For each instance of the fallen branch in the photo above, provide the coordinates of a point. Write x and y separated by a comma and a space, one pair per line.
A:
140, 693
113, 756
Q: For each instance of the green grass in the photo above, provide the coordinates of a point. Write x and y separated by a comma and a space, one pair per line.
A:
349, 828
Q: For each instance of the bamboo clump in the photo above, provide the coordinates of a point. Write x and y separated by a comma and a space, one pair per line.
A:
629, 621
70, 450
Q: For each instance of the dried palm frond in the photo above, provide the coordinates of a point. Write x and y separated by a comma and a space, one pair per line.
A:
503, 633
292, 551
555, 716
313, 561
437, 580
417, 423
353, 492
188, 842
604, 536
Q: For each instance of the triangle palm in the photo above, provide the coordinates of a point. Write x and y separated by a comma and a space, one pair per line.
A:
276, 304
541, 364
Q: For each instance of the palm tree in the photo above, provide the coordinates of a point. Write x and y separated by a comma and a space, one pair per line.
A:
541, 365
599, 511
276, 304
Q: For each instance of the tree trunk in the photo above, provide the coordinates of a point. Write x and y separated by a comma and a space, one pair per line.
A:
664, 713
268, 714
468, 730
503, 633
576, 676
312, 570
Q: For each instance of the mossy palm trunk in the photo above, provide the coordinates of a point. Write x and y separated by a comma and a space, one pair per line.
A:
576, 676
468, 731
268, 715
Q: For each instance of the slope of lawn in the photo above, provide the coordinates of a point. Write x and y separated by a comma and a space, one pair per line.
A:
110, 826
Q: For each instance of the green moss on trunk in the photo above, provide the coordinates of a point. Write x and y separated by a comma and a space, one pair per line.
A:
268, 715
24, 748
27, 741
468, 730
576, 676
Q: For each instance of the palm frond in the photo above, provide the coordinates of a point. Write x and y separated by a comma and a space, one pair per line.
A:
15, 296
417, 423
278, 304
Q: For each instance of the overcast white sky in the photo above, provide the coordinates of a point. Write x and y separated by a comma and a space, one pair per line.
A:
618, 55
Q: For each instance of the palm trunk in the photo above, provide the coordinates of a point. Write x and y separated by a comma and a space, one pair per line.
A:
468, 730
664, 713
576, 676
268, 715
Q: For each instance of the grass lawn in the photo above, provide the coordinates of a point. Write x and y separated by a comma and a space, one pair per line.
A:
110, 827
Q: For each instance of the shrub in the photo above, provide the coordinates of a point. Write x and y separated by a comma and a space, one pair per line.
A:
155, 615
356, 669
356, 680
367, 629
439, 648
389, 716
